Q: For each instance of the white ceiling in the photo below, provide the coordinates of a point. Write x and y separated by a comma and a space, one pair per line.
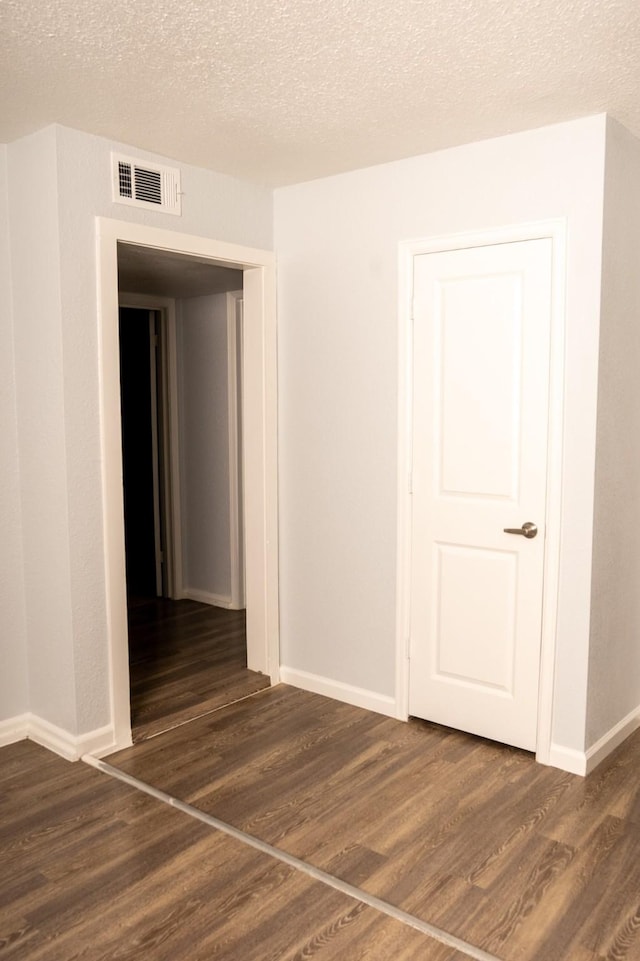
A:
280, 91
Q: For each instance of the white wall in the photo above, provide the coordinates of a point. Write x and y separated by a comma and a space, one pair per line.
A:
13, 651
59, 181
40, 373
337, 243
204, 445
614, 666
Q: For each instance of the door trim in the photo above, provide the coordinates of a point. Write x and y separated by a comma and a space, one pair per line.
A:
260, 447
556, 231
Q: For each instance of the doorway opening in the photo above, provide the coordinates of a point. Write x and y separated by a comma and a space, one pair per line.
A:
180, 342
193, 425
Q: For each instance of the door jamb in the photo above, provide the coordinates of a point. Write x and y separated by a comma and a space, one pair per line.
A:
260, 447
555, 230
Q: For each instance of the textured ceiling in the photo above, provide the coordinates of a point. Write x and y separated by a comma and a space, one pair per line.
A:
280, 91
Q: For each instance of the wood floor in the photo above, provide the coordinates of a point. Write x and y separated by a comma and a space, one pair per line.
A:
526, 862
95, 870
186, 659
522, 862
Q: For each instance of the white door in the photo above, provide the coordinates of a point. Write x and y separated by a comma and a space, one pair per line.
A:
480, 422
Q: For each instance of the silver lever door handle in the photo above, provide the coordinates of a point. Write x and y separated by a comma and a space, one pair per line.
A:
528, 530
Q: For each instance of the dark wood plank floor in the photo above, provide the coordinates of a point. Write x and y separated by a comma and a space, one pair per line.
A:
95, 870
527, 862
186, 659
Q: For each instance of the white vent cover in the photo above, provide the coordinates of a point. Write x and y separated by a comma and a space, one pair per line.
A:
142, 184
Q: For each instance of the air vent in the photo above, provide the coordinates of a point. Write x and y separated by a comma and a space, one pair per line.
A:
145, 185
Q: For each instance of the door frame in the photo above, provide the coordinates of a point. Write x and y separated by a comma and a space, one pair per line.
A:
259, 447
555, 230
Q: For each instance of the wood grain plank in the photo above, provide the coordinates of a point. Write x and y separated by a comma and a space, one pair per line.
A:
186, 659
135, 878
528, 862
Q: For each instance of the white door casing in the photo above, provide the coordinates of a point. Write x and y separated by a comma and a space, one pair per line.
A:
482, 369
260, 447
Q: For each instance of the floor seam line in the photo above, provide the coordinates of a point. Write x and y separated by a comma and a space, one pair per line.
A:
317, 874
199, 717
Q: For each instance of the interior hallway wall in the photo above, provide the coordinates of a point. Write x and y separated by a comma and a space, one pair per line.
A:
13, 650
68, 174
614, 663
337, 244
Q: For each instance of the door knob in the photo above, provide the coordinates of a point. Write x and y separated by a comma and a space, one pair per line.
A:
528, 530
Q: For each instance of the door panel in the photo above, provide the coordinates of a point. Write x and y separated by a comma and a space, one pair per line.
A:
480, 410
478, 432
490, 579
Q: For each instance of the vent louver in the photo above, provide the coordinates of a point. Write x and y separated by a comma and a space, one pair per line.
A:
145, 185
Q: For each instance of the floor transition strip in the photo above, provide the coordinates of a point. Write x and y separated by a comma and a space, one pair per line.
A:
378, 904
196, 717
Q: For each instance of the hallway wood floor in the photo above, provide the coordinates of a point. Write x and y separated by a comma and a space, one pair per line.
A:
185, 659
526, 862
95, 870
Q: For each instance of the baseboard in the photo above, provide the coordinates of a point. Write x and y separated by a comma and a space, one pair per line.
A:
583, 762
610, 741
14, 729
347, 693
98, 743
205, 597
56, 739
567, 759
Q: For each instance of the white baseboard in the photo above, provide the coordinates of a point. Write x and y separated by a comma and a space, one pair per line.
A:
583, 762
205, 597
69, 746
610, 741
52, 737
98, 743
14, 729
567, 759
347, 693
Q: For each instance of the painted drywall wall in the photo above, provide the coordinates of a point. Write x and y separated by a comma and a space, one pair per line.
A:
13, 648
337, 243
40, 374
204, 445
213, 205
59, 181
614, 664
